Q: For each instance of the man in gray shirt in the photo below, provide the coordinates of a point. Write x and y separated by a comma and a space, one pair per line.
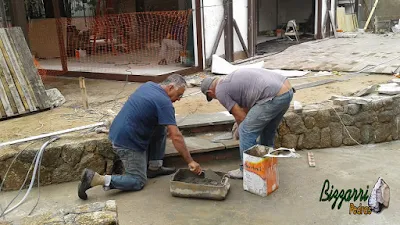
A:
258, 100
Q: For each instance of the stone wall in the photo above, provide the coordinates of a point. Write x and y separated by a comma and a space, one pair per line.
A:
104, 213
63, 160
346, 122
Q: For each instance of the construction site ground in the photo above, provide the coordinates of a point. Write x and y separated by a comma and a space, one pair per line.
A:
296, 201
107, 97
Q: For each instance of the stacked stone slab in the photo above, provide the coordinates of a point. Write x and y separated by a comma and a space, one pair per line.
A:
104, 213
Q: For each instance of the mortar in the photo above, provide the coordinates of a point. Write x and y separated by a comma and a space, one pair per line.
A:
188, 185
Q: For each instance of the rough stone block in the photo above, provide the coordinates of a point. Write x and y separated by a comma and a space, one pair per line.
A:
52, 156
71, 154
295, 123
340, 102
104, 218
300, 142
386, 116
312, 138
366, 117
382, 131
322, 118
347, 120
367, 134
283, 129
310, 112
325, 137
336, 134
92, 161
64, 173
111, 205
290, 141
366, 107
309, 122
90, 146
354, 133
353, 109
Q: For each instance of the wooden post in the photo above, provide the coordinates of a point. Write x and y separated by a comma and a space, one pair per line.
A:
228, 32
252, 27
370, 15
83, 92
60, 33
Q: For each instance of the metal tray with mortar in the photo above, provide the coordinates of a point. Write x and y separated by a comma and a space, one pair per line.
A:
215, 186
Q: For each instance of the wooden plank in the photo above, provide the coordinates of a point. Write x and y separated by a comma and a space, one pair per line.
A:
29, 67
370, 15
332, 23
16, 72
14, 97
82, 85
5, 104
2, 111
20, 65
7, 90
311, 159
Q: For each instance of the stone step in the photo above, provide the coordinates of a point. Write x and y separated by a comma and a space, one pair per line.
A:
206, 122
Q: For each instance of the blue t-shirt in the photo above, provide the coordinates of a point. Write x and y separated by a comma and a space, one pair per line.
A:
148, 107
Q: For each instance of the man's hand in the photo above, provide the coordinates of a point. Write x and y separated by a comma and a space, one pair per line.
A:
179, 143
235, 131
239, 113
195, 168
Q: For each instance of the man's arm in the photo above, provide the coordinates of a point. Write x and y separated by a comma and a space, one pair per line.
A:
179, 144
239, 113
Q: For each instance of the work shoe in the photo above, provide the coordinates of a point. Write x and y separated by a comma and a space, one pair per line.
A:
89, 179
161, 171
235, 174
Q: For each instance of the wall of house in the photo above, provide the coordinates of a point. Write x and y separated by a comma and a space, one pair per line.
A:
385, 7
299, 10
267, 13
213, 13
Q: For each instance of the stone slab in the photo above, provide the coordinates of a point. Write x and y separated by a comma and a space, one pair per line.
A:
205, 119
194, 145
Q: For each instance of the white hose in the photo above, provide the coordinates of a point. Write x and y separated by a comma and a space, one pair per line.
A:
38, 159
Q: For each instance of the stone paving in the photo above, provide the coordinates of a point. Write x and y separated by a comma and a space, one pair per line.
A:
370, 53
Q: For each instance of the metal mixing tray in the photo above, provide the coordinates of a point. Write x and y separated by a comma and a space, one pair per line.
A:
179, 187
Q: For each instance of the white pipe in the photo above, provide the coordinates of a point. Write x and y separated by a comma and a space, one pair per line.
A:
51, 134
33, 175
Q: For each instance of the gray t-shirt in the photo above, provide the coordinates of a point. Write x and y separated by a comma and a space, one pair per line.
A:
248, 86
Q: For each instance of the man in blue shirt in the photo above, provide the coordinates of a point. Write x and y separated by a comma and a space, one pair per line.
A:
138, 135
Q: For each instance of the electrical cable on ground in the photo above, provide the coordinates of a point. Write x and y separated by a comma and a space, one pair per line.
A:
37, 160
22, 186
9, 167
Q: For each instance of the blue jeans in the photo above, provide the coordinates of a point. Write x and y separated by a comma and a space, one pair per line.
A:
262, 121
135, 163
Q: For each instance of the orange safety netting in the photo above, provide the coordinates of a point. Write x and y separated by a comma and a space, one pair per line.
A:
111, 43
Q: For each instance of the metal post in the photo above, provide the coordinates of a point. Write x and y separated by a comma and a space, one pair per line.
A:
61, 44
251, 27
228, 32
3, 14
18, 16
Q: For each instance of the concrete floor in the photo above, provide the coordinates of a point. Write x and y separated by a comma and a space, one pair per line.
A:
295, 202
145, 63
